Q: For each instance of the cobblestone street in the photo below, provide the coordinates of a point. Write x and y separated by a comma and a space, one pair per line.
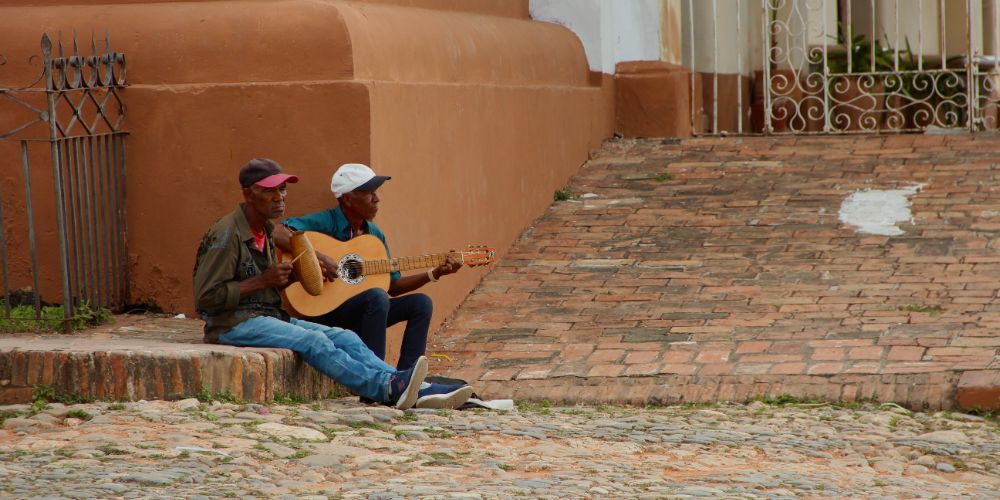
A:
687, 249
341, 449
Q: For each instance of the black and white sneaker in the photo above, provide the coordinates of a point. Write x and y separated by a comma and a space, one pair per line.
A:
442, 396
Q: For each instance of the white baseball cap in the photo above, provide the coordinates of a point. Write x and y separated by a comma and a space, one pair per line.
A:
351, 176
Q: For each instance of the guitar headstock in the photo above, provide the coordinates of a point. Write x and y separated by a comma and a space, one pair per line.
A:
478, 255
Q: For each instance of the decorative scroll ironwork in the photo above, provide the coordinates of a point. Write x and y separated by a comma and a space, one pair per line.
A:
987, 77
18, 97
84, 113
99, 73
96, 79
849, 83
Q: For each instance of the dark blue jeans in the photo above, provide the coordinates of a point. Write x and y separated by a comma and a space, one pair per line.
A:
369, 313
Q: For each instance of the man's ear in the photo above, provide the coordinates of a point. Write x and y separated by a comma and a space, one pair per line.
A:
344, 200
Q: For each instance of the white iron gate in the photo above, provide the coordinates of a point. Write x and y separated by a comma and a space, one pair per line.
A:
843, 66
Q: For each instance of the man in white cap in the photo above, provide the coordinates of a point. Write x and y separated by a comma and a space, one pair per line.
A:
371, 312
236, 282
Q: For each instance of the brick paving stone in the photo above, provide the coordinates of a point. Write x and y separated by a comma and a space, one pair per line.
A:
641, 357
741, 259
753, 347
862, 353
606, 370
788, 369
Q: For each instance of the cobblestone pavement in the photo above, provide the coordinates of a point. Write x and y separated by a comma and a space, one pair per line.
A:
341, 449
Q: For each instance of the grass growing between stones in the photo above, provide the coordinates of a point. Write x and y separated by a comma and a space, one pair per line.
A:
5, 414
787, 399
816, 401
439, 458
438, 433
988, 415
367, 425
290, 399
205, 395
109, 449
931, 310
43, 394
23, 318
563, 195
79, 414
542, 407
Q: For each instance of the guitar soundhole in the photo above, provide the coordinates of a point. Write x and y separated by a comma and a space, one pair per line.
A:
350, 269
353, 269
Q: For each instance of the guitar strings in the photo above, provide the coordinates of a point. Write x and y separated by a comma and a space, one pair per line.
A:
356, 268
355, 265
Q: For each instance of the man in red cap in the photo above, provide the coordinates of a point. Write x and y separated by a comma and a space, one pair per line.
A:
236, 283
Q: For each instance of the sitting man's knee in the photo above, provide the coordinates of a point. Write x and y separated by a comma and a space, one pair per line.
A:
423, 302
376, 297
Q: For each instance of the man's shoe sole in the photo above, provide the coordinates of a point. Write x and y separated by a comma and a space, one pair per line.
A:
409, 397
449, 401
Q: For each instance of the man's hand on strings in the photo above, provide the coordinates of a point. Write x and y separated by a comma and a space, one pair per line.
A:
328, 265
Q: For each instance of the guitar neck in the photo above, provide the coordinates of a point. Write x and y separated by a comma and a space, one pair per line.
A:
385, 266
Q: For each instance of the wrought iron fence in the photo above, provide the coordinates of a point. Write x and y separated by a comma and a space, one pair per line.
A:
77, 99
843, 66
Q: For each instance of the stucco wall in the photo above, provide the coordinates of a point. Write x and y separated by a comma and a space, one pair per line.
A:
478, 118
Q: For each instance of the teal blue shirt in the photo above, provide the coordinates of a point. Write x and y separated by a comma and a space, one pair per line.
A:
333, 223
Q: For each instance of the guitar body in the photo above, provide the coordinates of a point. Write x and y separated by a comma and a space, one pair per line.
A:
363, 264
363, 248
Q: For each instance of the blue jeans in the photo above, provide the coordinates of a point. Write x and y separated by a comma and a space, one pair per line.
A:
369, 313
335, 352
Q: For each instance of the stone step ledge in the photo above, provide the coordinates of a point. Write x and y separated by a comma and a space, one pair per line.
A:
165, 371
920, 391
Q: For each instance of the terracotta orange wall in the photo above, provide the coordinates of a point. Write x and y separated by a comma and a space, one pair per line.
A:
511, 8
478, 118
653, 99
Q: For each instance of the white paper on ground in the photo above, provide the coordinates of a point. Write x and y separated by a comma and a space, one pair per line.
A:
494, 404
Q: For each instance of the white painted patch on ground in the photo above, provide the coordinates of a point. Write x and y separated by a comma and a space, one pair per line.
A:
878, 211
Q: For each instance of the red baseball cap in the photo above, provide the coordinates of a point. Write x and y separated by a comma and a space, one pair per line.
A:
264, 173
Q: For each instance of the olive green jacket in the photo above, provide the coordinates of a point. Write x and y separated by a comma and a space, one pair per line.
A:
228, 255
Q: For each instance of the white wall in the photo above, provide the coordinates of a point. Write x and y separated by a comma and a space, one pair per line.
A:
723, 37
612, 31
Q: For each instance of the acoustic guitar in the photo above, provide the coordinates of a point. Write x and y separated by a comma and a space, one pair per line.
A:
363, 264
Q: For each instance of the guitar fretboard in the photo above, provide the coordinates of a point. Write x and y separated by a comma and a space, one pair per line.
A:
385, 266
